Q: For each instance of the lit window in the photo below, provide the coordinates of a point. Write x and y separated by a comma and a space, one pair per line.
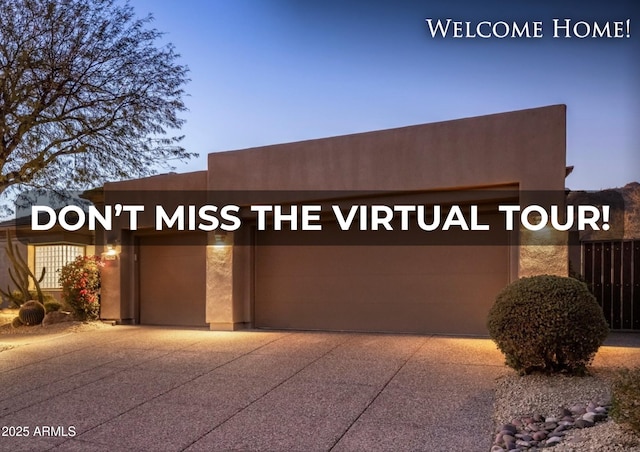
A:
53, 258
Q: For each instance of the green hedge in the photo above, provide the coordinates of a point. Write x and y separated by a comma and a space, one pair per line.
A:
548, 324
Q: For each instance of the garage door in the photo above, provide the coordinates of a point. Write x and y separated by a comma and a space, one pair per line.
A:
424, 289
171, 276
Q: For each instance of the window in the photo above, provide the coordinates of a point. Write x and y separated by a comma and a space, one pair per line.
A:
53, 258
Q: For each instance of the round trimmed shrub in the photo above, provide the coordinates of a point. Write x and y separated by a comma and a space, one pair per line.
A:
31, 313
548, 324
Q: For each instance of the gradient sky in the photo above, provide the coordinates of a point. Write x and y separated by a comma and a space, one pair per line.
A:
275, 71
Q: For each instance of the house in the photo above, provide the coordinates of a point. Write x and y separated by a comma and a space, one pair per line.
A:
50, 250
330, 280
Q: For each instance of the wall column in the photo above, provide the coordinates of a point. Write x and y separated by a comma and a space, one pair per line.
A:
219, 292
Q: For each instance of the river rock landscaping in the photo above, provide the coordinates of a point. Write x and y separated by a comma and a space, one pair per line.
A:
535, 412
535, 432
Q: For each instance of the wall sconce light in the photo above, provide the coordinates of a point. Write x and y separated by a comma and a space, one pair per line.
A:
111, 252
220, 238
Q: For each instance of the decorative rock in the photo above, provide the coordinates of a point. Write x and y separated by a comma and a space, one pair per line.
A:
553, 441
559, 428
532, 433
578, 409
582, 423
56, 317
539, 436
599, 417
606, 402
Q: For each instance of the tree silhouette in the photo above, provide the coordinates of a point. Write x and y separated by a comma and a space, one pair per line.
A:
86, 95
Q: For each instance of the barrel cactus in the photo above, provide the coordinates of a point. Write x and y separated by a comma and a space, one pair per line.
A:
16, 323
31, 313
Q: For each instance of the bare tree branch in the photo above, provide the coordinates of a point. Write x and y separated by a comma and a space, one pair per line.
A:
86, 94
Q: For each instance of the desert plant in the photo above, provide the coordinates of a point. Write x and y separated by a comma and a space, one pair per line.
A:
51, 306
47, 298
16, 322
31, 313
625, 409
20, 275
33, 295
547, 323
80, 281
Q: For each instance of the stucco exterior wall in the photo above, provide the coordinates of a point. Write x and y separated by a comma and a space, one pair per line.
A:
527, 147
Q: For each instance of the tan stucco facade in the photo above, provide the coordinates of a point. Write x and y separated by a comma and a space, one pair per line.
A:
523, 149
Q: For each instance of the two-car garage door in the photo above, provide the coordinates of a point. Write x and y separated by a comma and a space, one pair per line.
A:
425, 289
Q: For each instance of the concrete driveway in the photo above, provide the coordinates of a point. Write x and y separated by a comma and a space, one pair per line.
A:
143, 388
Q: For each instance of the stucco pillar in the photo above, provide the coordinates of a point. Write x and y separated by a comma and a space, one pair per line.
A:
545, 251
219, 291
110, 289
115, 276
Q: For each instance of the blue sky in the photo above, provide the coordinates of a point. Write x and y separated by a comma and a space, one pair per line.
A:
275, 71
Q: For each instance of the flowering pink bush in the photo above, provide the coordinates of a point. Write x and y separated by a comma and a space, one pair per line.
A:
80, 281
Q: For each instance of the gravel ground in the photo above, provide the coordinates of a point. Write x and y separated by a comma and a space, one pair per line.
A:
65, 327
7, 315
536, 394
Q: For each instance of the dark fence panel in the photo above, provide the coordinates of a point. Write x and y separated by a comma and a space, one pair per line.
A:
636, 285
612, 271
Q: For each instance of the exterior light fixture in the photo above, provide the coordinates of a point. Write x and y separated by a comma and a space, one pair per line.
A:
111, 253
220, 238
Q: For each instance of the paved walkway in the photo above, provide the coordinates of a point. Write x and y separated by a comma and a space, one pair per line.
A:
141, 389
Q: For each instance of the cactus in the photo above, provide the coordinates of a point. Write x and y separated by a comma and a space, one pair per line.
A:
31, 312
16, 323
20, 276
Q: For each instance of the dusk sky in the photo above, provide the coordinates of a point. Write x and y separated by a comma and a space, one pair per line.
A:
276, 71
